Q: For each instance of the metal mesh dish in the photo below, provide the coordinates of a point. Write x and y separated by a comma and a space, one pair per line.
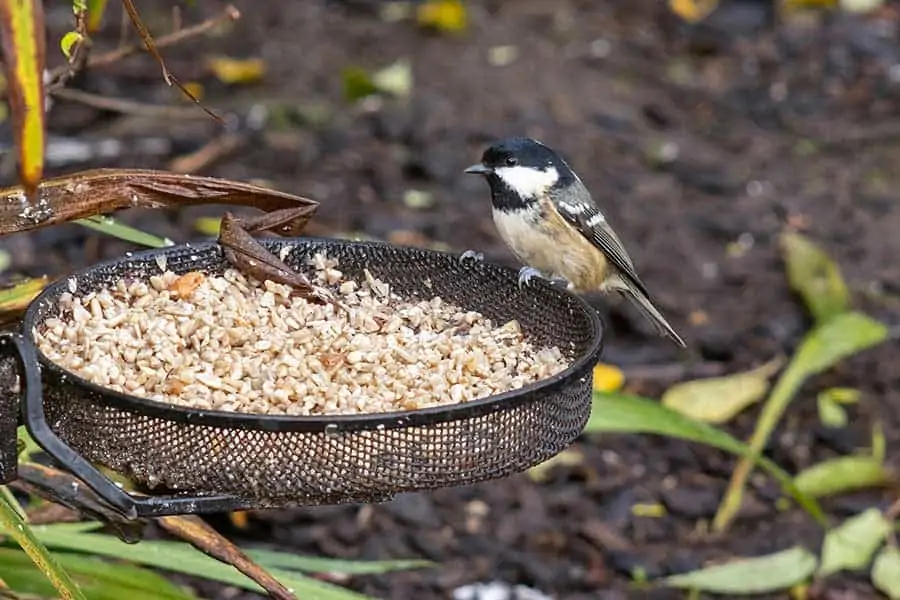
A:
277, 460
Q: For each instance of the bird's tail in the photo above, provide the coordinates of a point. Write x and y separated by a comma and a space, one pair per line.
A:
647, 309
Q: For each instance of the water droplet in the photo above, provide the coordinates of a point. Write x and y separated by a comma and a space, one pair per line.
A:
331, 429
380, 427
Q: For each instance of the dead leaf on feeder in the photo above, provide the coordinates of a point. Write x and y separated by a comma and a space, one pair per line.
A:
720, 399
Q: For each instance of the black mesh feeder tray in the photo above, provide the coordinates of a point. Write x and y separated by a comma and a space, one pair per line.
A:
193, 461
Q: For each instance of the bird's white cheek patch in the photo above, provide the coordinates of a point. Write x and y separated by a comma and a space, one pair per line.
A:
526, 181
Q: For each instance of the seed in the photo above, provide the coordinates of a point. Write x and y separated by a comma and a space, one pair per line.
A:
226, 342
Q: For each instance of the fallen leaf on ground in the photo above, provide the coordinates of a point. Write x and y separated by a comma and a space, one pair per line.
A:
395, 79
757, 575
693, 11
851, 545
236, 71
886, 572
444, 15
569, 457
608, 378
720, 399
814, 277
840, 475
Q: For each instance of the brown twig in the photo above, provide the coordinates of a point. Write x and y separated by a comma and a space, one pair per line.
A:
216, 149
126, 107
229, 14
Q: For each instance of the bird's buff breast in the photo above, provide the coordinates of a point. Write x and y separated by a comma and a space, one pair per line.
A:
565, 253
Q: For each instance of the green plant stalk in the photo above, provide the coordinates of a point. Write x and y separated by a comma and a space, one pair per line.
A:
785, 389
111, 227
21, 532
625, 413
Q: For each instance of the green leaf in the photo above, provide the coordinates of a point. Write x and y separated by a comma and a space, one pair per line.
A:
719, 399
851, 545
100, 580
886, 572
357, 84
95, 10
11, 522
624, 413
314, 564
845, 335
830, 404
831, 414
840, 475
183, 558
111, 227
68, 41
746, 576
821, 348
814, 277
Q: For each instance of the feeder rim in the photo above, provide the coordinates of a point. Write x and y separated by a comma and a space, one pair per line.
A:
330, 424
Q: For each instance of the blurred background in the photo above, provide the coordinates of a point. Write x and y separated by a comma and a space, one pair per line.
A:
704, 130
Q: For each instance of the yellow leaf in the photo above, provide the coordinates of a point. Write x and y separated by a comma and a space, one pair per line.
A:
720, 399
443, 15
195, 89
208, 225
649, 510
608, 378
239, 519
23, 37
236, 71
67, 44
18, 297
693, 11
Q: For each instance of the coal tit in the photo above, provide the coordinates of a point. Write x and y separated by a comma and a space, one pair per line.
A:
546, 216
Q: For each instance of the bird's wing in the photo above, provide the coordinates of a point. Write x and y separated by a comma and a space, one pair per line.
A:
582, 214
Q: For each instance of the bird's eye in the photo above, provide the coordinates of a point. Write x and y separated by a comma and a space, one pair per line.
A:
511, 161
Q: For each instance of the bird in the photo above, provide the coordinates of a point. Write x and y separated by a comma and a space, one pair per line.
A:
546, 216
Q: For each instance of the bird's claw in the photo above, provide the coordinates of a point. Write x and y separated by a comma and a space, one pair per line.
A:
526, 274
471, 256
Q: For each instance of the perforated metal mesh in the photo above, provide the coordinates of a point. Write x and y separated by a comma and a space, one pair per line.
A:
315, 460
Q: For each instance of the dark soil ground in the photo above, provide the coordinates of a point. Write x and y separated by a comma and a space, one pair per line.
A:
702, 143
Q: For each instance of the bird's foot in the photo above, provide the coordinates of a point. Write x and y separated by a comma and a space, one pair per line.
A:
471, 256
526, 274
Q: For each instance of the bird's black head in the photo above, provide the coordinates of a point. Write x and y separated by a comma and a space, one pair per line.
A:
520, 170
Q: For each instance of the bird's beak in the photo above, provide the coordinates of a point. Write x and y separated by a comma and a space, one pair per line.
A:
479, 169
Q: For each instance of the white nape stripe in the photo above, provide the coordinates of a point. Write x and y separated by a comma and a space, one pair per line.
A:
596, 220
528, 182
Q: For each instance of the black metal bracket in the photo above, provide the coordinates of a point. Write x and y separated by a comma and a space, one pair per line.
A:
129, 505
